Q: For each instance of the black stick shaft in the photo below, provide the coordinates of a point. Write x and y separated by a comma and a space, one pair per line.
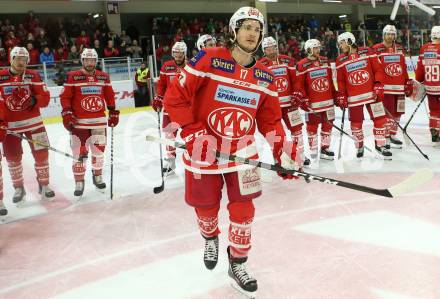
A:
342, 129
111, 162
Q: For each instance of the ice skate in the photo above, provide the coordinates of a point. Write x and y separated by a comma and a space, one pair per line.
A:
387, 155
210, 256
19, 194
241, 280
45, 192
3, 210
99, 182
327, 155
360, 152
79, 189
395, 143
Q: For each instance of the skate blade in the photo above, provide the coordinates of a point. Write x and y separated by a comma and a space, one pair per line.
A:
396, 146
327, 158
100, 190
246, 294
21, 203
45, 198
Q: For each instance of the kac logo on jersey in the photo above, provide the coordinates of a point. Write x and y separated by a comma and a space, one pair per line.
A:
235, 96
92, 104
91, 90
393, 70
391, 58
279, 71
223, 65
230, 123
320, 84
318, 73
358, 77
356, 66
12, 103
263, 75
281, 84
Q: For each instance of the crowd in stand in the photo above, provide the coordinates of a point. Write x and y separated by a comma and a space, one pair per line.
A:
62, 39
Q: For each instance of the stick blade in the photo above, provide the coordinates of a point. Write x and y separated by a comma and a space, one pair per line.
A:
415, 181
158, 189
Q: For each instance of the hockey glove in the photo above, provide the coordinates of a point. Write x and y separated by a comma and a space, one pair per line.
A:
285, 156
113, 118
197, 145
305, 104
378, 91
341, 100
409, 87
23, 99
157, 103
296, 98
68, 120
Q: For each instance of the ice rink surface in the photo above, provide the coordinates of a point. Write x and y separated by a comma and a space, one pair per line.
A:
309, 240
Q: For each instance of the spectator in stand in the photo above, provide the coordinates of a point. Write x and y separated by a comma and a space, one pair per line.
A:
110, 50
62, 40
113, 37
37, 28
98, 48
11, 41
42, 41
122, 49
21, 32
3, 57
313, 23
73, 55
47, 56
34, 54
125, 38
7, 26
134, 50
30, 38
60, 76
82, 41
61, 54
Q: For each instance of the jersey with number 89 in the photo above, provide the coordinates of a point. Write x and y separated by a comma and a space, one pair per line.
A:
428, 68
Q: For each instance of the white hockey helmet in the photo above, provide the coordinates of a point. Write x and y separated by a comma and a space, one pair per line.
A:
435, 33
310, 44
390, 29
89, 53
19, 51
348, 37
201, 42
245, 13
179, 47
268, 42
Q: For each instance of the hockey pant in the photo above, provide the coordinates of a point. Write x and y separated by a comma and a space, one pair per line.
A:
377, 114
170, 131
395, 104
203, 192
13, 151
83, 140
313, 120
434, 113
292, 118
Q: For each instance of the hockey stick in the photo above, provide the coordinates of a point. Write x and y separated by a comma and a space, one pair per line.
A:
414, 181
36, 142
111, 162
342, 129
414, 113
406, 134
343, 132
160, 188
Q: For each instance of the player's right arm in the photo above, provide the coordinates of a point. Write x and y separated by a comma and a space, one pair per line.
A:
67, 93
420, 70
162, 82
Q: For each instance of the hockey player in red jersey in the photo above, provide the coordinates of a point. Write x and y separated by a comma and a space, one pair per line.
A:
283, 68
24, 94
397, 84
86, 95
3, 210
218, 100
428, 73
314, 88
360, 77
170, 69
206, 41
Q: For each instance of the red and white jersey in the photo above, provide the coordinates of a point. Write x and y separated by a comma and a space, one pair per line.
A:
314, 79
283, 69
87, 96
230, 100
428, 68
19, 118
356, 74
168, 72
394, 67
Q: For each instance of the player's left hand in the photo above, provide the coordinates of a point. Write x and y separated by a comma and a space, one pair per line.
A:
285, 156
409, 87
2, 130
113, 118
378, 90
